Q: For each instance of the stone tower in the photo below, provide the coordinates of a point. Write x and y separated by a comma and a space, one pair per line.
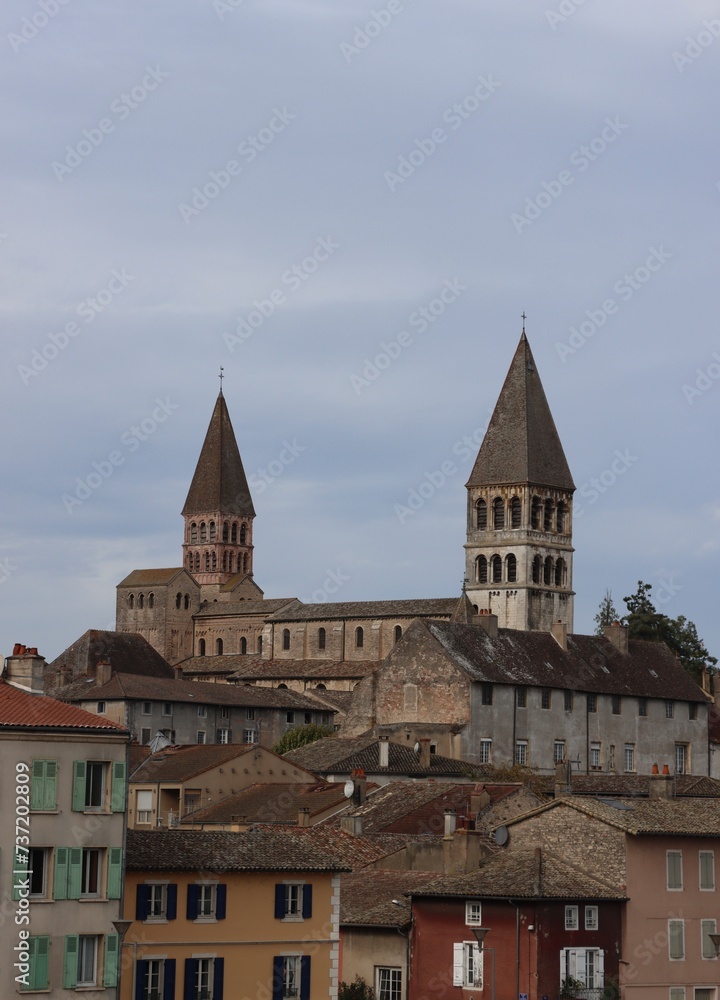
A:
219, 511
518, 561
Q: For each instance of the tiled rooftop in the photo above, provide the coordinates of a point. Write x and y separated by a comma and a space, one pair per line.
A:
37, 711
184, 762
432, 607
339, 755
276, 803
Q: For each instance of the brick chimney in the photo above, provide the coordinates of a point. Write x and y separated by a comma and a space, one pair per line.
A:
103, 672
25, 669
618, 636
558, 630
360, 782
487, 620
304, 817
661, 785
424, 755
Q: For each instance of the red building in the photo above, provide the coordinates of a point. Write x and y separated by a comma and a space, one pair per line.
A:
548, 924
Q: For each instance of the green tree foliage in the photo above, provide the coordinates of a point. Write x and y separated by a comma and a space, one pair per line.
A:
301, 736
358, 989
607, 613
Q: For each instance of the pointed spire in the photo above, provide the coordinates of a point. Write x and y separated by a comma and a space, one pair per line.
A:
219, 483
522, 444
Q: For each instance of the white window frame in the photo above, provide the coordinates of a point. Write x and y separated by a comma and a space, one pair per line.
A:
86, 872
596, 756
468, 965
682, 758
143, 816
392, 988
206, 900
485, 751
629, 764
91, 942
558, 746
680, 925
154, 980
157, 901
522, 752
675, 855
711, 855
292, 969
223, 736
707, 927
583, 964
293, 900
473, 913
591, 918
204, 974
572, 918
146, 708
677, 993
201, 737
202, 711
250, 736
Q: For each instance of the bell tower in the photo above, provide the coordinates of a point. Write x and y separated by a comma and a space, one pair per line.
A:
518, 554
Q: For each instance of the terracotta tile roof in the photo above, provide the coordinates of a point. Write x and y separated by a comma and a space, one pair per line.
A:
590, 663
20, 709
127, 652
184, 762
219, 609
522, 874
211, 851
219, 482
269, 804
148, 577
259, 669
437, 607
355, 852
337, 754
138, 754
633, 785
366, 897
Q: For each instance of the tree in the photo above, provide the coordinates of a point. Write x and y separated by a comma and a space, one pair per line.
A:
301, 736
358, 989
607, 613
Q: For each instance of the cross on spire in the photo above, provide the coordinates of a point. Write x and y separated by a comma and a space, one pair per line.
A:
221, 377
524, 317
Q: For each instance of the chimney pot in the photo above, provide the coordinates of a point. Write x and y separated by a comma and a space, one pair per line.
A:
488, 621
450, 822
655, 769
666, 769
424, 755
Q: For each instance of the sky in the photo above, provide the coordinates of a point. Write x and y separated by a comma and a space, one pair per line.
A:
348, 206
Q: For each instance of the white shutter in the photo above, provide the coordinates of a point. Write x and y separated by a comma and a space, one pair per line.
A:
600, 980
478, 957
580, 966
458, 964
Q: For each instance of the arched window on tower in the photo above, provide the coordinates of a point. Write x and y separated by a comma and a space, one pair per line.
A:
286, 638
151, 600
321, 638
230, 562
197, 562
187, 601
201, 647
481, 575
548, 574
203, 531
481, 515
537, 570
218, 647
131, 601
496, 564
214, 560
259, 644
207, 562
193, 532
243, 534
224, 561
243, 645
515, 512
141, 600
511, 568
560, 516
398, 633
212, 531
560, 573
359, 637
498, 513
233, 533
536, 513
190, 562
225, 532
178, 601
548, 520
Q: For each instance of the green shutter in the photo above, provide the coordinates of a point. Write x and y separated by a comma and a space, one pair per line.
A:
60, 879
74, 882
20, 866
79, 776
114, 876
112, 947
50, 796
117, 793
39, 956
37, 785
70, 965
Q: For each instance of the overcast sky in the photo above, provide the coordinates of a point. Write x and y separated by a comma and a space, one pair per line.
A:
281, 187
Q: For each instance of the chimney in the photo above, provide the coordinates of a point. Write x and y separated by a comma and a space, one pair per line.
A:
562, 779
384, 751
487, 620
479, 798
424, 755
661, 785
450, 823
558, 630
352, 825
25, 669
618, 636
304, 817
360, 783
103, 672
179, 673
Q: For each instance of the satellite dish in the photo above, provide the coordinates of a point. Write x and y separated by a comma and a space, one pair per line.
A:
349, 789
416, 748
502, 836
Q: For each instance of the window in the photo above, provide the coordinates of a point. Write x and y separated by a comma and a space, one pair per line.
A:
568, 701
359, 638
155, 978
674, 869
90, 873
43, 785
548, 570
521, 752
201, 735
629, 756
290, 718
38, 959
521, 696
201, 647
481, 569
143, 806
535, 512
545, 698
291, 977
560, 573
548, 516
178, 601
388, 983
224, 712
223, 736
131, 601
243, 645
498, 513
515, 512
293, 901
496, 568
706, 864
615, 701
485, 751
676, 940
571, 918
141, 600
38, 867
583, 965
669, 709
511, 568
707, 927
147, 708
705, 993
537, 569
481, 515
204, 978
90, 780
84, 955
592, 703
560, 517
487, 694
467, 965
398, 633
682, 758
678, 993
286, 638
250, 736
219, 647
473, 913
101, 707
692, 711
596, 756
611, 757
151, 600
558, 751
321, 638
642, 708
591, 918
206, 901
202, 711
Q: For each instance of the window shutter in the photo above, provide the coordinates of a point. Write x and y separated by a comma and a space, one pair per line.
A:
39, 955
168, 979
581, 966
220, 901
171, 913
37, 785
600, 968
60, 879
74, 883
140, 975
114, 878
307, 901
142, 898
70, 962
50, 785
193, 893
20, 868
79, 778
458, 964
190, 973
117, 791
478, 966
218, 978
305, 977
279, 901
110, 970
278, 988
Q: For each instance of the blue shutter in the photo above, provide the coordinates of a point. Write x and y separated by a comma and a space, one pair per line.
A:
218, 978
305, 977
140, 977
279, 901
220, 901
193, 894
171, 909
142, 899
168, 979
307, 901
278, 986
190, 973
